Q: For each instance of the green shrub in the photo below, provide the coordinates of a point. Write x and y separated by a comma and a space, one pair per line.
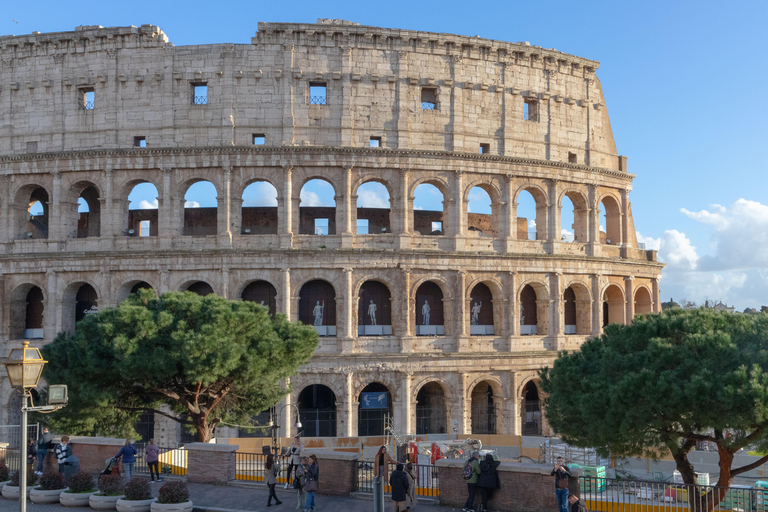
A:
52, 481
111, 485
173, 492
138, 489
81, 482
31, 477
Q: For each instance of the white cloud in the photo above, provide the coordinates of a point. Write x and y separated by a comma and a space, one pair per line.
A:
371, 199
310, 199
147, 205
676, 250
651, 243
191, 204
260, 194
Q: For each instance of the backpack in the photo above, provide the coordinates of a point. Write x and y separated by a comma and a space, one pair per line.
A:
467, 473
485, 467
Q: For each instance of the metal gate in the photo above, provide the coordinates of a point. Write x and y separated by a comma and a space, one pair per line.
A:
10, 443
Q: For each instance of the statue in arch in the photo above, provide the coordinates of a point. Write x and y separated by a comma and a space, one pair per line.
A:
425, 309
317, 312
476, 313
372, 312
522, 314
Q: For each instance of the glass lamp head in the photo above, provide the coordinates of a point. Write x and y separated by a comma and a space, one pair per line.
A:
24, 366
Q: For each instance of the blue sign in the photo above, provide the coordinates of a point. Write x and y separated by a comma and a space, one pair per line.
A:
376, 400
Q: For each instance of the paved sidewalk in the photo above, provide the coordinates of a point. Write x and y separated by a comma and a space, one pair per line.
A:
221, 498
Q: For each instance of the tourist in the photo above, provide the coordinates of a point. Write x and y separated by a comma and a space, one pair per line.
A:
128, 455
561, 474
296, 452
298, 482
381, 463
576, 504
152, 453
469, 505
44, 443
410, 471
31, 451
271, 470
313, 474
398, 480
63, 451
488, 481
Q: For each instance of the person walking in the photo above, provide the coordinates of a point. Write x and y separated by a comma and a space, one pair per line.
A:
62, 451
313, 474
474, 464
271, 470
398, 481
44, 443
488, 481
561, 474
410, 472
296, 452
128, 455
298, 482
381, 463
152, 453
31, 451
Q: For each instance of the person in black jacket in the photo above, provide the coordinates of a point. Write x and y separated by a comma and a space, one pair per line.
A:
576, 504
399, 482
44, 442
488, 481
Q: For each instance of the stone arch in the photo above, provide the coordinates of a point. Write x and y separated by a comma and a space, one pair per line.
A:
259, 219
374, 309
79, 299
577, 309
316, 219
261, 292
531, 420
377, 220
580, 226
476, 221
613, 305
77, 223
485, 396
143, 217
132, 286
27, 311
199, 287
28, 226
317, 306
431, 222
317, 409
199, 220
432, 414
429, 311
533, 297
540, 198
612, 215
643, 301
482, 318
370, 415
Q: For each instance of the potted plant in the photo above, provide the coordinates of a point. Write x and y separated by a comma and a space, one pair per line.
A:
173, 497
110, 490
50, 487
11, 489
5, 475
138, 496
80, 489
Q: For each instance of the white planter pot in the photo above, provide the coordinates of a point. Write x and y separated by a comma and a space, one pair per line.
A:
40, 497
11, 492
75, 499
99, 502
172, 507
124, 505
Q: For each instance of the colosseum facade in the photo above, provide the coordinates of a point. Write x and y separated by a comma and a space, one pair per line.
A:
467, 306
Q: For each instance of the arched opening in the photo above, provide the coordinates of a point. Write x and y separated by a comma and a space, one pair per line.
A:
567, 233
34, 219
569, 306
481, 311
142, 211
259, 211
373, 209
610, 225
374, 310
529, 317
574, 225
201, 288
483, 409
613, 306
131, 287
428, 210
317, 306
200, 209
375, 405
429, 310
480, 213
643, 302
89, 213
261, 292
431, 413
531, 410
317, 210
317, 407
531, 215
27, 308
86, 302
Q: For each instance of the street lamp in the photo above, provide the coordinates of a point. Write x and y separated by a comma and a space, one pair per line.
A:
275, 426
24, 366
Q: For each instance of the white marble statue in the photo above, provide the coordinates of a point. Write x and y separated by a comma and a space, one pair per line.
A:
372, 312
476, 313
317, 312
425, 309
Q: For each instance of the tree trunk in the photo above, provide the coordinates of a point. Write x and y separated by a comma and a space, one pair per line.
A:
710, 500
204, 430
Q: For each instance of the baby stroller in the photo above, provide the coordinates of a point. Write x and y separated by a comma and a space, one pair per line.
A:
112, 466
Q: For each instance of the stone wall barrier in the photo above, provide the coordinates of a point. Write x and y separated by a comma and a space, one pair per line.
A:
211, 463
338, 472
525, 487
93, 452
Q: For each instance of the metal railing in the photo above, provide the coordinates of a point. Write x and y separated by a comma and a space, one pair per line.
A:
428, 105
173, 461
318, 100
426, 479
250, 467
87, 105
199, 100
608, 495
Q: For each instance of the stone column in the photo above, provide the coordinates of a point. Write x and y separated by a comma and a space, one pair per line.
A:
5, 209
656, 298
403, 222
514, 308
347, 124
457, 214
168, 227
55, 211
629, 299
464, 411
52, 306
288, 413
556, 293
460, 320
554, 216
597, 305
406, 419
347, 239
345, 427
165, 281
347, 338
402, 102
285, 220
110, 224
211, 463
625, 216
510, 213
593, 220
225, 282
515, 427
407, 319
285, 295
223, 210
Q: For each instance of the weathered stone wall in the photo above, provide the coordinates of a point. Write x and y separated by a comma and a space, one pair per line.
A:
210, 463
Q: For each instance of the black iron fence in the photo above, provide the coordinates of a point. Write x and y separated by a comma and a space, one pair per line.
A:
608, 495
172, 461
250, 467
425, 479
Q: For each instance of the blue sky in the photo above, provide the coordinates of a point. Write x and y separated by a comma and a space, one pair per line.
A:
685, 86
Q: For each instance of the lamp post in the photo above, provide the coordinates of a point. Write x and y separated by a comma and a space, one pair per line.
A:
24, 366
275, 425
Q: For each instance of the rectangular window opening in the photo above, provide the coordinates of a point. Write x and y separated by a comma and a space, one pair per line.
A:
437, 227
140, 142
375, 142
318, 93
362, 226
485, 149
200, 93
572, 158
88, 99
531, 110
428, 98
144, 228
259, 139
321, 226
